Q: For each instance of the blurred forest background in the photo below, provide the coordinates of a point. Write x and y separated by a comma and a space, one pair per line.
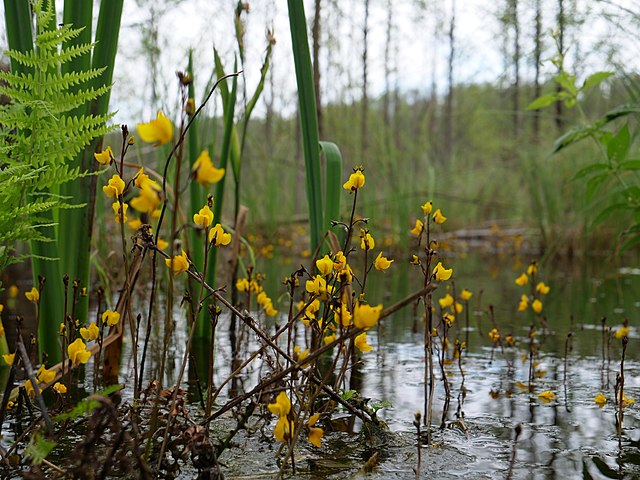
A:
429, 96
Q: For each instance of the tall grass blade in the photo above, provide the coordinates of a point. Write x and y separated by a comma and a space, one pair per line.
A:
333, 186
308, 118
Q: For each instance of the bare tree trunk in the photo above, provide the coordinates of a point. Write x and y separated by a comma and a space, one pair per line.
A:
561, 31
315, 34
386, 104
516, 68
537, 90
448, 114
365, 99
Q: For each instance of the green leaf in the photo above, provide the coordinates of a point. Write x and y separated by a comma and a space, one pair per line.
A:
568, 82
593, 184
630, 165
618, 112
595, 79
379, 405
606, 213
629, 243
347, 394
543, 101
38, 448
572, 136
618, 146
333, 185
589, 169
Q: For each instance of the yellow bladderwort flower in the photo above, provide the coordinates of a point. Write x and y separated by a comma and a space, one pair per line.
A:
524, 303
9, 358
44, 375
494, 335
627, 401
345, 275
382, 263
110, 317
542, 289
269, 309
114, 187
417, 230
179, 263
317, 286
339, 261
466, 295
204, 217
158, 131
162, 244
315, 433
329, 339
442, 274
300, 354
415, 260
438, 217
522, 280
262, 298
600, 400
356, 180
242, 284
281, 408
33, 295
427, 207
134, 224
325, 265
343, 314
536, 306
78, 353
366, 241
28, 387
91, 333
547, 396
204, 172
448, 319
120, 212
366, 316
217, 236
60, 388
446, 301
13, 291
621, 333
105, 157
361, 343
533, 268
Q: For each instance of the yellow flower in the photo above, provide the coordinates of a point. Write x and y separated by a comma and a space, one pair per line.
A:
494, 335
148, 199
361, 343
532, 268
45, 376
109, 317
283, 430
179, 263
60, 388
600, 400
315, 433
158, 131
542, 288
1, 308
134, 224
263, 298
218, 237
345, 275
325, 265
339, 261
162, 244
381, 263
282, 407
366, 316
366, 241
621, 332
627, 401
105, 157
242, 284
329, 339
524, 303
33, 295
427, 207
536, 306
300, 354
318, 286
114, 187
204, 171
438, 217
441, 273
417, 230
269, 310
522, 280
13, 291
78, 352
91, 333
204, 217
446, 301
28, 386
465, 295
121, 214
9, 358
547, 396
356, 180
415, 260
343, 314
448, 319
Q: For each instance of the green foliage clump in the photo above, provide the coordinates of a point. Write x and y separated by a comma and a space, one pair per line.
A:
39, 134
